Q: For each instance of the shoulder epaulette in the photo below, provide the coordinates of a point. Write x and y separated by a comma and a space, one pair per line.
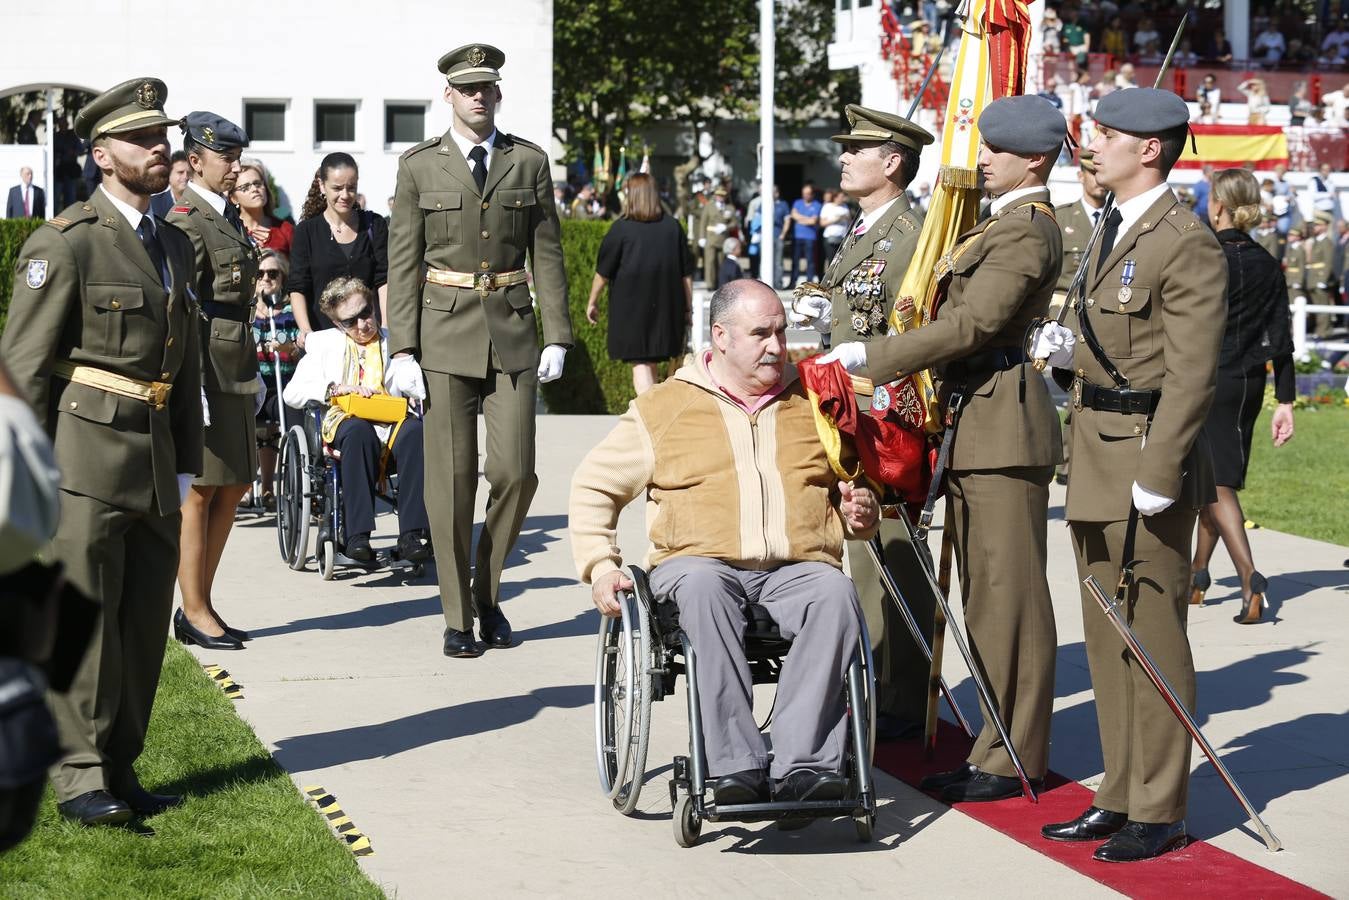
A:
1182, 218
905, 221
417, 148
515, 138
73, 215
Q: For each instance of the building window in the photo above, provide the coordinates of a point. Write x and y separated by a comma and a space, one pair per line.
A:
334, 122
265, 120
404, 123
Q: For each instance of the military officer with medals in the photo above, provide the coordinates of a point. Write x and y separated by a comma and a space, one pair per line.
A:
879, 158
1004, 433
102, 338
1142, 357
227, 267
471, 206
717, 222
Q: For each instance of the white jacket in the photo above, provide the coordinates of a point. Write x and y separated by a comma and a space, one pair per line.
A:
322, 364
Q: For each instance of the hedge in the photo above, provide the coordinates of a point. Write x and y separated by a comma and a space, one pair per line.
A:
13, 232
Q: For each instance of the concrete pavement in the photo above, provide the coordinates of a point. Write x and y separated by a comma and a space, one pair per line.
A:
479, 775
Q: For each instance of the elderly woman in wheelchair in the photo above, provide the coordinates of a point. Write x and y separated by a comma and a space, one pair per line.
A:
747, 522
367, 416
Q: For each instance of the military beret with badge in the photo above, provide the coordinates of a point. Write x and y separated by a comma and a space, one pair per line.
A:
212, 131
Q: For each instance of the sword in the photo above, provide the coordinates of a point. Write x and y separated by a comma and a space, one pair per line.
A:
1111, 610
938, 643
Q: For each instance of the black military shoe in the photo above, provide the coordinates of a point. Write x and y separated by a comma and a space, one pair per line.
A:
144, 803
943, 780
460, 644
415, 545
749, 786
495, 630
1142, 840
358, 547
95, 808
809, 784
982, 787
1095, 824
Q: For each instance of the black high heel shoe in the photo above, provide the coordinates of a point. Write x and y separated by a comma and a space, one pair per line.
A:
1199, 585
187, 633
1254, 608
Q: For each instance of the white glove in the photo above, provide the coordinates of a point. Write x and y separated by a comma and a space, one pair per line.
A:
1054, 343
719, 228
184, 485
852, 356
550, 363
1320, 285
30, 485
205, 409
259, 394
1148, 503
813, 310
404, 378
702, 242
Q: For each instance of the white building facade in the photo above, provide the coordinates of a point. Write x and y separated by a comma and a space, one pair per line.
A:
304, 79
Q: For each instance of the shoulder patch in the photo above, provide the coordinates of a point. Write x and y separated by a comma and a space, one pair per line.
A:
181, 208
37, 273
417, 148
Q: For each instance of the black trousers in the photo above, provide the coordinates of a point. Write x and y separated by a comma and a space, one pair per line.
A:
361, 449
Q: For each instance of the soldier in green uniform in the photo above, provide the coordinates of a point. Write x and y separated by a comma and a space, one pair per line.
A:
471, 206
1266, 234
102, 338
995, 282
227, 267
1294, 262
880, 157
717, 222
1143, 358
1318, 275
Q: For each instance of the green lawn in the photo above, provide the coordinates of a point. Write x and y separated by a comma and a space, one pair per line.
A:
1303, 486
244, 832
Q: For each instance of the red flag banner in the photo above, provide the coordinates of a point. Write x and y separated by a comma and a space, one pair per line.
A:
1008, 26
1233, 146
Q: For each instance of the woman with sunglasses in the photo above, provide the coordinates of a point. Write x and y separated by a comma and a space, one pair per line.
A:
257, 208
276, 333
353, 358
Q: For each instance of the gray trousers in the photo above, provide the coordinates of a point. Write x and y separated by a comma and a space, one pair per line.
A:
815, 606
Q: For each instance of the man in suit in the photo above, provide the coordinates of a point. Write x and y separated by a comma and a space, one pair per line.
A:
26, 200
879, 159
471, 206
102, 340
180, 173
28, 130
1005, 441
1142, 359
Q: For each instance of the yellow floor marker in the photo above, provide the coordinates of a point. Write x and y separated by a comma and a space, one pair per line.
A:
326, 803
221, 677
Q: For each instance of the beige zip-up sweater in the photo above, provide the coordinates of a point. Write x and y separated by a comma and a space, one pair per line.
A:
753, 489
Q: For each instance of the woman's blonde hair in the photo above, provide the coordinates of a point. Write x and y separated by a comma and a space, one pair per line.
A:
268, 205
340, 289
1239, 193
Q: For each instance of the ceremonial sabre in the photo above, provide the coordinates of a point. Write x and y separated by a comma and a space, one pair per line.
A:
1111, 609
938, 638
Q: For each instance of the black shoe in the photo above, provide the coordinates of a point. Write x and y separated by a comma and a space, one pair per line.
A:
896, 728
460, 644
358, 548
495, 630
749, 786
982, 787
1095, 824
1199, 585
237, 633
809, 784
1253, 607
415, 545
95, 808
145, 803
943, 780
187, 633
1142, 840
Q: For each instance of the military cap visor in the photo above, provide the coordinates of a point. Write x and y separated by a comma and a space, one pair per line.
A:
1142, 111
472, 63
1025, 124
871, 126
130, 106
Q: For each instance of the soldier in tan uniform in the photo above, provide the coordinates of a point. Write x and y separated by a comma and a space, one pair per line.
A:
717, 222
102, 338
1143, 361
227, 267
471, 206
1318, 273
879, 158
996, 281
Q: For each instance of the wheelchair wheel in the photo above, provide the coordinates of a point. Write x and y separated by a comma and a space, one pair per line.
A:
623, 686
866, 827
327, 557
292, 507
688, 826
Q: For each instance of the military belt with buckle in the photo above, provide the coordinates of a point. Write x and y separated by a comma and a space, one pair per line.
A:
1125, 401
482, 282
154, 393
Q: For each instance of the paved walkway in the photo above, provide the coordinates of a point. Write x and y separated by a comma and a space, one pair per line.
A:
479, 775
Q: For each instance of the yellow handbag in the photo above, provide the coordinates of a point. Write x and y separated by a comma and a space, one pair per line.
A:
379, 408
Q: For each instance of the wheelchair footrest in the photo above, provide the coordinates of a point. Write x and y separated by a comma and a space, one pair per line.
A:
782, 810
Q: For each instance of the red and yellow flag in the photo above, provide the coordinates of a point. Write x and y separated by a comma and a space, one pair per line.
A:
1233, 146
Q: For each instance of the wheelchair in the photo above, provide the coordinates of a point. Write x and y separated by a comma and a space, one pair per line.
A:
639, 657
309, 494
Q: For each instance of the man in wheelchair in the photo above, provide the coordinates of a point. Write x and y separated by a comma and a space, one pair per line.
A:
742, 507
351, 361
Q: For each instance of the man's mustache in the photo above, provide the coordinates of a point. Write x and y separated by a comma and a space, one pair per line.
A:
770, 359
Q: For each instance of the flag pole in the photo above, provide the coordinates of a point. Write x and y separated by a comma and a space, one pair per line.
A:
768, 256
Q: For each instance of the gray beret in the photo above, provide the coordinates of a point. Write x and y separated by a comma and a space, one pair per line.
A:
1024, 124
213, 132
1142, 111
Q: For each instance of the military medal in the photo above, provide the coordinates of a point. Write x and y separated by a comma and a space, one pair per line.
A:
884, 245
859, 323
1126, 292
880, 399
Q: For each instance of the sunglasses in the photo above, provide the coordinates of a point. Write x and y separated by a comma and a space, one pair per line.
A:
269, 273
366, 313
249, 186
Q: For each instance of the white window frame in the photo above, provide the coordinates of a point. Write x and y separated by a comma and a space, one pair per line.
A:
288, 123
355, 142
400, 146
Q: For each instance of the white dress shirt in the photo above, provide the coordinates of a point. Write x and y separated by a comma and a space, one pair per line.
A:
465, 145
1007, 199
1130, 211
865, 219
129, 212
217, 202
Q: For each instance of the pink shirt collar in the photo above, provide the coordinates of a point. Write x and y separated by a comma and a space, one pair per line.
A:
758, 404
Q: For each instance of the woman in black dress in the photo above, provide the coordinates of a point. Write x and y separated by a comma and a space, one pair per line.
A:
335, 239
1258, 330
645, 260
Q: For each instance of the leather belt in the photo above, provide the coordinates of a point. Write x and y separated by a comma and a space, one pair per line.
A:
996, 360
1115, 400
154, 393
235, 312
482, 282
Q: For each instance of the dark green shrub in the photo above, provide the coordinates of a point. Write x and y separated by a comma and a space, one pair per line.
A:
13, 232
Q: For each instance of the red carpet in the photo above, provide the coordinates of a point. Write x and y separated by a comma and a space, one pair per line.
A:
1200, 868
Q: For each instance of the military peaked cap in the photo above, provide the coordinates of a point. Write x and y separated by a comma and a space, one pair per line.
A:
213, 132
871, 126
1142, 111
131, 106
1025, 124
472, 63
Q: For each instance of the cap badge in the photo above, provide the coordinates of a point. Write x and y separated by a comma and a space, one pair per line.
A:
147, 96
208, 135
477, 56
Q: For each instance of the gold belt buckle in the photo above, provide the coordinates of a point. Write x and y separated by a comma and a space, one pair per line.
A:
484, 282
159, 394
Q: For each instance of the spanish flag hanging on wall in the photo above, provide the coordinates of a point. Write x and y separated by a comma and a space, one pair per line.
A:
1232, 146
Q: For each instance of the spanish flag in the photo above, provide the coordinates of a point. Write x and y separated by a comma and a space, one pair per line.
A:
1233, 146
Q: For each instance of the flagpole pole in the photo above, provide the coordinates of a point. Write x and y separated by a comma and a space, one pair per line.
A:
768, 257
